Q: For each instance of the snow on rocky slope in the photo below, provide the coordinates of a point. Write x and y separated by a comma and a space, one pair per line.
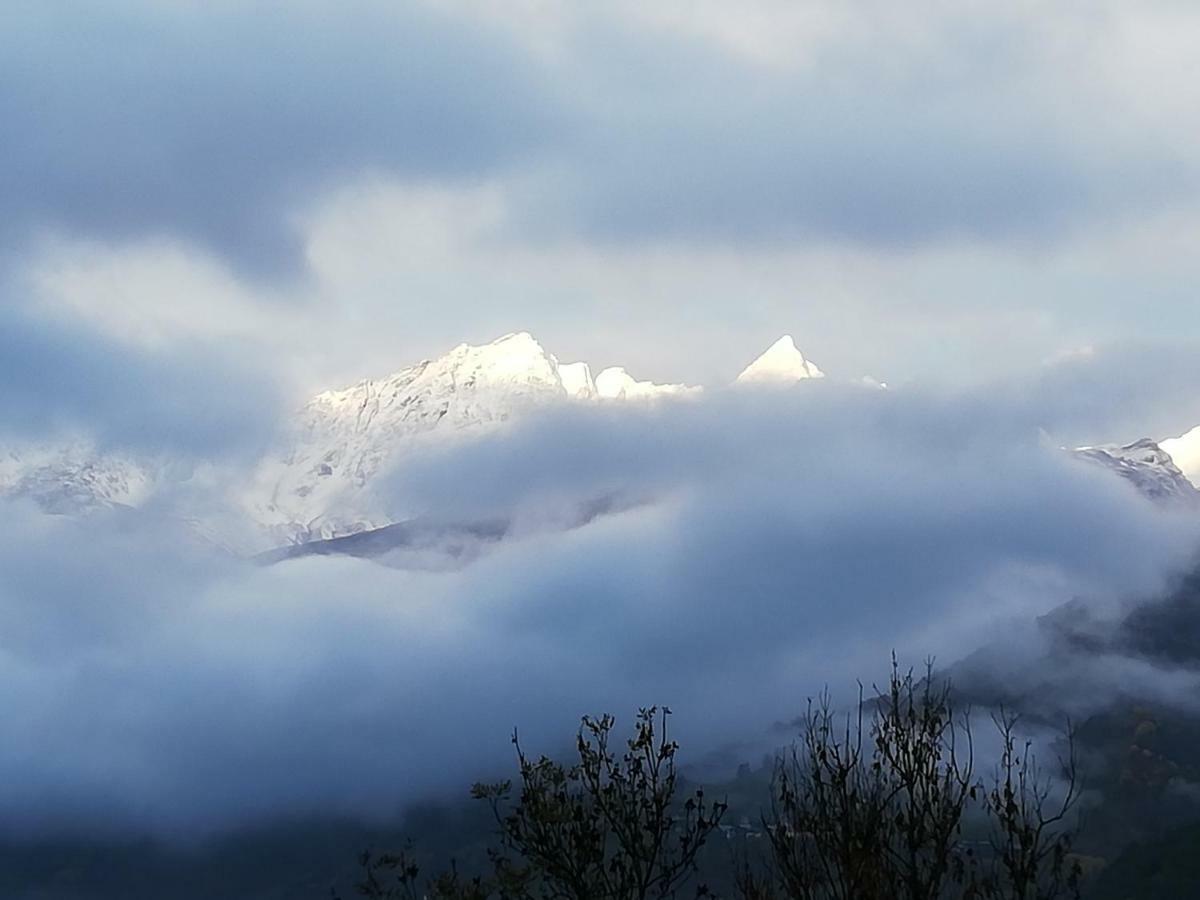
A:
74, 478
1148, 467
614, 383
317, 489
320, 482
316, 485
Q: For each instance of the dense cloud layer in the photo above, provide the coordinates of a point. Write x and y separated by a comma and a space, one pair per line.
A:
781, 542
876, 135
219, 123
917, 192
1114, 393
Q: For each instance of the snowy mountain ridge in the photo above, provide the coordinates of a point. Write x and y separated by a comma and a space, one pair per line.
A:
345, 438
313, 484
1148, 467
322, 480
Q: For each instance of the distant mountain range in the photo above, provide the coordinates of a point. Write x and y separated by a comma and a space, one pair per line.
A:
317, 484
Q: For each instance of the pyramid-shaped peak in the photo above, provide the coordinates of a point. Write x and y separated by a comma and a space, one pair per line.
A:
781, 363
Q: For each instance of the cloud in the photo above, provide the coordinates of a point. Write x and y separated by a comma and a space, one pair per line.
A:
882, 140
217, 122
1114, 393
221, 125
783, 542
674, 184
194, 399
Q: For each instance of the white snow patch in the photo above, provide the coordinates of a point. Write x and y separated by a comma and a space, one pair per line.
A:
1185, 451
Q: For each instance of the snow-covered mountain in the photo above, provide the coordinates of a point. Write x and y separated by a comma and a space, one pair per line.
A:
315, 484
1148, 467
614, 383
783, 363
317, 487
321, 481
74, 478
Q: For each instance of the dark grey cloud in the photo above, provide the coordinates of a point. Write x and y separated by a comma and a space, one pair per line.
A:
217, 121
871, 140
193, 399
782, 542
1111, 393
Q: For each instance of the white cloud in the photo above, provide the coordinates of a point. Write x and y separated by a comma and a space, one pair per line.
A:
147, 293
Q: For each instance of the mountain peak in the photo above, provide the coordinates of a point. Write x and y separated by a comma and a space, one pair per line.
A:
781, 363
514, 357
516, 339
516, 345
614, 383
1147, 466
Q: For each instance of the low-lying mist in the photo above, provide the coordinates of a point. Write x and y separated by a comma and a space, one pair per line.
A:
767, 544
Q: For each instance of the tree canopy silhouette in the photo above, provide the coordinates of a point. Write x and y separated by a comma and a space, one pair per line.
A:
881, 803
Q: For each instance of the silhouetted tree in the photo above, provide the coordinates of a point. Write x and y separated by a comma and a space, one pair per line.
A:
879, 804
874, 807
609, 827
1028, 810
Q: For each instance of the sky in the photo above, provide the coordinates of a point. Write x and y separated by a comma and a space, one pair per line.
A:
212, 210
943, 192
